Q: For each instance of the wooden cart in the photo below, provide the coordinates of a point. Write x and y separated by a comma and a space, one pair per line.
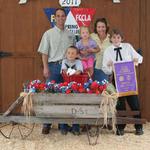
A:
61, 108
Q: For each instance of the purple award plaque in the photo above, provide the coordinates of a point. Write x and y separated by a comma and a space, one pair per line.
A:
125, 78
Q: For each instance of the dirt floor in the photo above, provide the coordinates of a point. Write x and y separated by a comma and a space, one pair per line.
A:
55, 141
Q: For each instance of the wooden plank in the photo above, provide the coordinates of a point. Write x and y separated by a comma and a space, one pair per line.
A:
67, 111
7, 16
32, 119
13, 106
46, 99
129, 120
23, 25
24, 72
127, 113
144, 68
7, 90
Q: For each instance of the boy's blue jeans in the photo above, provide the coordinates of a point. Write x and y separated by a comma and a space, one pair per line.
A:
54, 69
76, 127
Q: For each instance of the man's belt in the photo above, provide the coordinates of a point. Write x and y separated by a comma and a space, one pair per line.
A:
56, 62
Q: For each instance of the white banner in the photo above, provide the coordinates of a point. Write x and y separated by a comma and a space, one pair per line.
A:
69, 3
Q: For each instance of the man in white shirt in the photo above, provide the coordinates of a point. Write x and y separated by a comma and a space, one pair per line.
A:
53, 46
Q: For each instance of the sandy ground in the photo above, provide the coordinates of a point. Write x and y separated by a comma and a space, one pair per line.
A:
55, 141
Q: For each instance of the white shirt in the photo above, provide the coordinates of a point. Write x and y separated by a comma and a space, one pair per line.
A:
103, 44
55, 42
128, 53
76, 63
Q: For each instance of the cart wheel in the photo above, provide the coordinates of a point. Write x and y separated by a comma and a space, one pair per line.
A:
93, 134
94, 131
15, 130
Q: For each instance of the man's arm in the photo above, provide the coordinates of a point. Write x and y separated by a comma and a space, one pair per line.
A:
46, 71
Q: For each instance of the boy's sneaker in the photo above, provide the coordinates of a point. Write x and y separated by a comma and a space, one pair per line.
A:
63, 132
76, 132
46, 130
139, 132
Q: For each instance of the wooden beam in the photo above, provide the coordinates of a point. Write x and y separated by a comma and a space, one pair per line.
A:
39, 120
127, 113
58, 98
13, 106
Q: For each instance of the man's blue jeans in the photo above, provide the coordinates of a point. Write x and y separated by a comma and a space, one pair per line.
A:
54, 69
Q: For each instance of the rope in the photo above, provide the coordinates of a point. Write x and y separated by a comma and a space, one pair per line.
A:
108, 106
27, 106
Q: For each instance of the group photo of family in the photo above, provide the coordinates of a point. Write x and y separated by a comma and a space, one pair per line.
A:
74, 74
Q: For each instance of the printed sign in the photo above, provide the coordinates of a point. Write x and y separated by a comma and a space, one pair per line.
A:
125, 78
76, 17
69, 3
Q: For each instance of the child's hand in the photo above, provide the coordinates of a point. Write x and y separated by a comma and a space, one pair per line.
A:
90, 50
84, 52
135, 60
64, 71
84, 58
110, 63
78, 72
78, 56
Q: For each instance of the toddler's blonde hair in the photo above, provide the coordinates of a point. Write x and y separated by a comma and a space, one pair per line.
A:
84, 27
